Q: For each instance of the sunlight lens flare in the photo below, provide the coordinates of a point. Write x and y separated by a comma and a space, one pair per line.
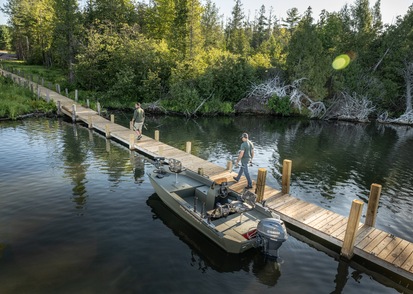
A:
341, 62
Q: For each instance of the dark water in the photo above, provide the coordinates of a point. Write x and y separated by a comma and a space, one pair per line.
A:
78, 214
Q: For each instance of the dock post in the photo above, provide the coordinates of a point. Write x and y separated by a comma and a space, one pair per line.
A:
352, 229
87, 103
76, 96
112, 118
157, 135
89, 122
373, 204
261, 179
286, 176
73, 112
98, 106
59, 108
67, 92
188, 147
131, 141
200, 171
229, 165
107, 130
160, 150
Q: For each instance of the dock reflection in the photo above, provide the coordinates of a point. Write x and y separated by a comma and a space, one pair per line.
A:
207, 255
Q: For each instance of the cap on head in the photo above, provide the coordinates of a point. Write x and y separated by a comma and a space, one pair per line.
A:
244, 135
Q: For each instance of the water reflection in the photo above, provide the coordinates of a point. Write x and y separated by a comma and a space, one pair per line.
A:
138, 164
205, 255
74, 155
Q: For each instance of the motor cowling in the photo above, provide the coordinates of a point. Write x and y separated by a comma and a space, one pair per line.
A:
271, 233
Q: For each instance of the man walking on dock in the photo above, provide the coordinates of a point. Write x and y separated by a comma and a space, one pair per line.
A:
138, 119
246, 154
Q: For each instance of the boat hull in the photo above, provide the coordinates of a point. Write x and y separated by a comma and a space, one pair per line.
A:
195, 198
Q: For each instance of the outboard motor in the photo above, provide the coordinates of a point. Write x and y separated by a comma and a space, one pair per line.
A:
271, 233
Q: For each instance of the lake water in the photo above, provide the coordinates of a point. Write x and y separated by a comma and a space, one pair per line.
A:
78, 214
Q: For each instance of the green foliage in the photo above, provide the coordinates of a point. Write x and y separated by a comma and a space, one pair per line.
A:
280, 105
16, 101
120, 51
5, 38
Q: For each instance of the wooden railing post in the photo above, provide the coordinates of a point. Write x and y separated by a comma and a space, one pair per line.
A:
112, 118
73, 112
229, 165
90, 122
286, 176
261, 179
107, 130
131, 141
188, 147
352, 228
157, 135
373, 204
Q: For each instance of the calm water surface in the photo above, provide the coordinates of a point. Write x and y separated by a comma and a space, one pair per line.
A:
78, 214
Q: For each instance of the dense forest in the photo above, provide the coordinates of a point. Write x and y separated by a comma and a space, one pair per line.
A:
183, 56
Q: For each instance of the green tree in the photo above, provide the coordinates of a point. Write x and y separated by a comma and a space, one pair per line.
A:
115, 12
32, 24
67, 30
292, 19
161, 15
186, 35
260, 32
306, 58
5, 38
236, 38
211, 26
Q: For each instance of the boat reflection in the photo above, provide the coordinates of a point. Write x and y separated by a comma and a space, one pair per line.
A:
207, 255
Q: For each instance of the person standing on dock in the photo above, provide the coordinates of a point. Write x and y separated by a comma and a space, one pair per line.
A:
245, 155
138, 119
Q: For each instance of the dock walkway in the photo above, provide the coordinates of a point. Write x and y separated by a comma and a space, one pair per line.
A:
389, 252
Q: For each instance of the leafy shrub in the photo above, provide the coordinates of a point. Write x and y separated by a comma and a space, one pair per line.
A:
280, 105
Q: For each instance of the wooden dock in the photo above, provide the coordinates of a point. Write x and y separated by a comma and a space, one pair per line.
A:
390, 253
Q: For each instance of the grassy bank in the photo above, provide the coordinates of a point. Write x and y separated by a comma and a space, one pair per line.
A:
17, 101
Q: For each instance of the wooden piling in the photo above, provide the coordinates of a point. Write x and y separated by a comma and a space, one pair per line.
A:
112, 118
373, 204
131, 141
160, 150
286, 176
347, 250
59, 108
77, 97
229, 165
188, 147
74, 112
107, 130
98, 106
200, 171
157, 135
89, 122
261, 179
